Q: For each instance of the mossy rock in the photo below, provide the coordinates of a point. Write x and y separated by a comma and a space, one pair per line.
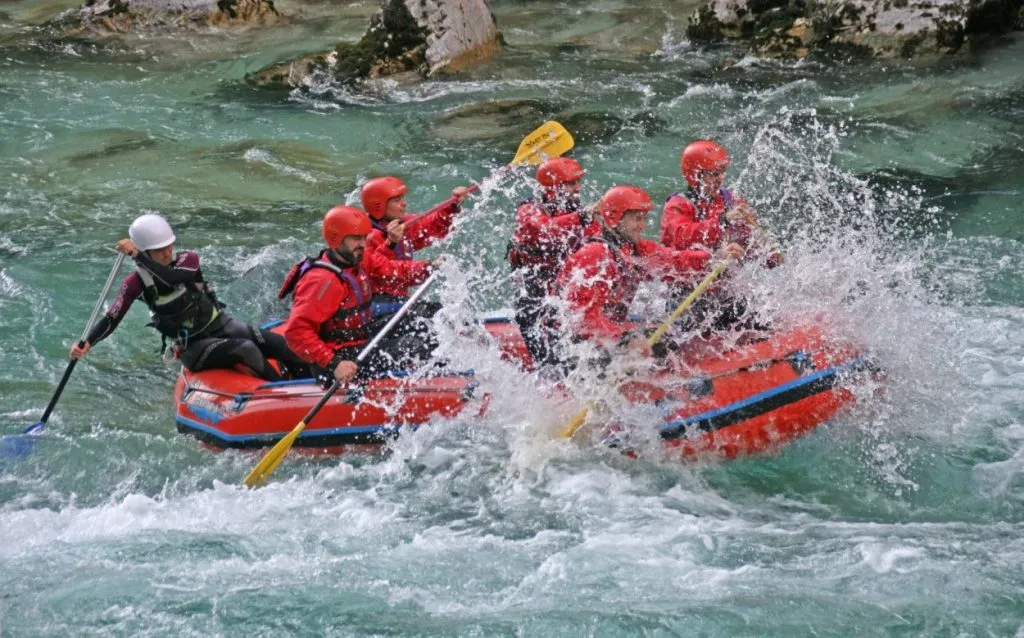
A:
491, 120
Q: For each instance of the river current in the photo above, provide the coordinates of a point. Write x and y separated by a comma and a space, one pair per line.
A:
894, 187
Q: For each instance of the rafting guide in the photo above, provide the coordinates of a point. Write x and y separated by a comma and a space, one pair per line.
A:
184, 308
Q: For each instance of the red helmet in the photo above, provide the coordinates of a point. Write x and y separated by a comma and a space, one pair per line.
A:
559, 170
344, 221
619, 200
702, 156
377, 192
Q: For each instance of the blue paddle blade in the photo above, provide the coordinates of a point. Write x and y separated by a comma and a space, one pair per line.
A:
35, 427
17, 446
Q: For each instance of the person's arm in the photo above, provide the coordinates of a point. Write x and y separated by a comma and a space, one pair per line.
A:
681, 229
670, 264
131, 289
384, 271
317, 297
425, 229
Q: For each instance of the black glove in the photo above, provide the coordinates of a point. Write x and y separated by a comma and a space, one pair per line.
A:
660, 350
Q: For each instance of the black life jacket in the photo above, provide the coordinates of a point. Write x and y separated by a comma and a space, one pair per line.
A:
350, 324
179, 312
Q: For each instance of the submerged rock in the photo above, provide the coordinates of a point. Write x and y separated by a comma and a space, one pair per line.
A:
492, 120
422, 36
879, 28
103, 17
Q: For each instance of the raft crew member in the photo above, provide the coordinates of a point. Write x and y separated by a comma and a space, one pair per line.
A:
600, 279
331, 319
396, 235
547, 230
707, 217
185, 309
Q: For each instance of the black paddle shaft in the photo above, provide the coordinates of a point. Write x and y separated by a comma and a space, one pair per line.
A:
60, 386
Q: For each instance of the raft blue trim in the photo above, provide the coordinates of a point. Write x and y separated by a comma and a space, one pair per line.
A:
288, 382
205, 413
717, 413
393, 374
306, 434
271, 323
381, 308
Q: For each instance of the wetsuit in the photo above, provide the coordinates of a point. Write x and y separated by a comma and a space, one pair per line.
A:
185, 310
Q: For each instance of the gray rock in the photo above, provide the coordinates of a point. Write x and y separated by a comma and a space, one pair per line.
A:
423, 36
102, 17
880, 28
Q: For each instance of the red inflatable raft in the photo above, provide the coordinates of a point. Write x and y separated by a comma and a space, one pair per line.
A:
742, 401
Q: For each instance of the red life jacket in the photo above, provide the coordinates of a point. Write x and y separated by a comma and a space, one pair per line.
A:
350, 324
714, 210
630, 277
542, 256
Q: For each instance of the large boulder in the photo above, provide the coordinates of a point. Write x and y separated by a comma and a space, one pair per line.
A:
99, 17
879, 28
421, 36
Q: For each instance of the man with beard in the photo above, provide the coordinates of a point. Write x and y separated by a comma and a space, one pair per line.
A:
331, 316
547, 230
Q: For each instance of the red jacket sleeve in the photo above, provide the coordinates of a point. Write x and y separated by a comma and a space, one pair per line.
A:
394, 272
434, 225
377, 241
672, 265
317, 296
681, 229
587, 280
536, 227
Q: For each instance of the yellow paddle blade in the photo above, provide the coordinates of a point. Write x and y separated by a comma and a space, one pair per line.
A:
550, 140
273, 458
576, 423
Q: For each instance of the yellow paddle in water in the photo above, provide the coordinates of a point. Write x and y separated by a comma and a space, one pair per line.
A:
273, 458
577, 421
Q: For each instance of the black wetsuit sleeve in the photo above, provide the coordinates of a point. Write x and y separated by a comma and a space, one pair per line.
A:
100, 330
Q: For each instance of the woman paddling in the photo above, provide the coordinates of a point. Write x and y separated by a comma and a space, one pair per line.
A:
185, 309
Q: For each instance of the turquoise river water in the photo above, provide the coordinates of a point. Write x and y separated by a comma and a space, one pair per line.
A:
894, 187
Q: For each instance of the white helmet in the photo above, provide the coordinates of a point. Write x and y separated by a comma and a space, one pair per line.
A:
150, 232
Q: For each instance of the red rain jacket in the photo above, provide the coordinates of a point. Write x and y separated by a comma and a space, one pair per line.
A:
332, 311
543, 237
421, 230
600, 279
